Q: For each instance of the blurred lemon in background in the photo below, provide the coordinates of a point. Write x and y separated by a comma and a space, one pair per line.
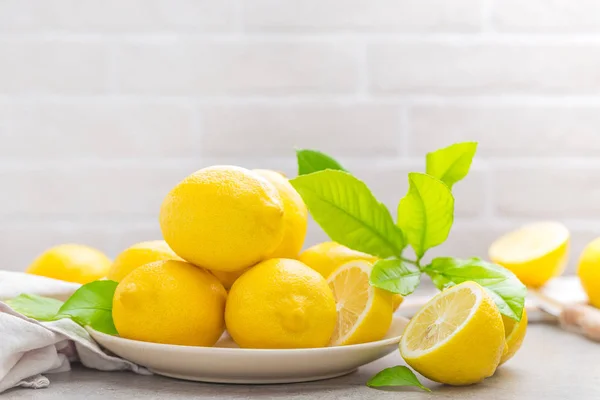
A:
328, 256
138, 255
72, 263
364, 311
295, 217
515, 335
280, 304
223, 218
589, 272
457, 338
535, 253
171, 302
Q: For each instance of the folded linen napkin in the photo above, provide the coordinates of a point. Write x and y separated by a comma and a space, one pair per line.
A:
29, 348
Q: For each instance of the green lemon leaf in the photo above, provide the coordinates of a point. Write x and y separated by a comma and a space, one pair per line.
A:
426, 213
36, 307
396, 376
396, 276
505, 288
451, 164
349, 213
310, 161
91, 305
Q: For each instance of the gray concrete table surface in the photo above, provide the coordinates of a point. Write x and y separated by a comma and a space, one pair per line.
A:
552, 365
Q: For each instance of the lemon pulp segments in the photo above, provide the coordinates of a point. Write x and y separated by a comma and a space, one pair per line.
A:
352, 297
439, 321
457, 338
364, 312
535, 253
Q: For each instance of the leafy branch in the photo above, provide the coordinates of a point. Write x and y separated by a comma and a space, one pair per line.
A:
349, 213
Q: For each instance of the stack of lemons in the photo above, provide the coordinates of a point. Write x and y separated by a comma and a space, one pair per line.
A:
230, 259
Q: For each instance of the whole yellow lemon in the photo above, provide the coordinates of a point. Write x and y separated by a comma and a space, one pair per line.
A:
279, 304
72, 263
589, 272
227, 278
295, 217
326, 257
170, 302
223, 218
140, 254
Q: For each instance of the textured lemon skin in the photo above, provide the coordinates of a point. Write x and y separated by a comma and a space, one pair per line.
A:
514, 339
72, 263
535, 273
170, 302
328, 256
295, 216
397, 300
227, 278
278, 304
140, 254
470, 355
223, 218
589, 272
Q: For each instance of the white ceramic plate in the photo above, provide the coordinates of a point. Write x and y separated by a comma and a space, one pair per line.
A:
226, 363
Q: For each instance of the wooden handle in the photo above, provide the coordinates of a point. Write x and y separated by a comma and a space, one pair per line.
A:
582, 319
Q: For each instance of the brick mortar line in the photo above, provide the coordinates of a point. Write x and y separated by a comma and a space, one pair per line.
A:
21, 164
475, 100
466, 38
487, 10
113, 221
482, 164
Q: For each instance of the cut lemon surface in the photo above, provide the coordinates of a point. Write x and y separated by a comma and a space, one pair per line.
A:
515, 334
535, 253
457, 337
364, 312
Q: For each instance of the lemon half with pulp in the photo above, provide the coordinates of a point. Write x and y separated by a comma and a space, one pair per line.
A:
535, 253
457, 338
364, 312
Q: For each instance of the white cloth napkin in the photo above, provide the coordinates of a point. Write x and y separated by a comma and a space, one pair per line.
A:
29, 348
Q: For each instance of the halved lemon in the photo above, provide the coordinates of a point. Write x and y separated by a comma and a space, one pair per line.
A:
457, 337
515, 334
535, 253
364, 312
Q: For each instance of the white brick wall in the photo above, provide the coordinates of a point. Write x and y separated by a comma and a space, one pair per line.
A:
106, 104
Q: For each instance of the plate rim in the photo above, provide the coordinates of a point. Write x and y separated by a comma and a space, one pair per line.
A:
228, 350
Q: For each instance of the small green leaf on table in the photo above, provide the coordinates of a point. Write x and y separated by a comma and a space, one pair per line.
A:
396, 276
451, 164
36, 307
426, 213
396, 376
504, 287
310, 161
349, 213
91, 305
